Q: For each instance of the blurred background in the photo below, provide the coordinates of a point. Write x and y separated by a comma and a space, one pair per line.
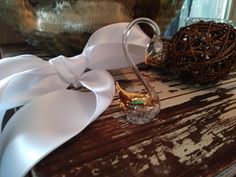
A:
192, 9
7, 34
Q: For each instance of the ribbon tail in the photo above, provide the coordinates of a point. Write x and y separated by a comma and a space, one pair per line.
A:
42, 125
102, 83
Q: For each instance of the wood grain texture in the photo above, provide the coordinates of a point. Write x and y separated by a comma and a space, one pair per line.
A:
194, 134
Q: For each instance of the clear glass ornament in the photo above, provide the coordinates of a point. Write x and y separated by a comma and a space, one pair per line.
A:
141, 108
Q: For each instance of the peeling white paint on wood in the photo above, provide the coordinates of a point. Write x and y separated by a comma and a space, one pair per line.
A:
154, 160
145, 167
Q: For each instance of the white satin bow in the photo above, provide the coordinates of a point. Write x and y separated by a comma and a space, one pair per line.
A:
51, 115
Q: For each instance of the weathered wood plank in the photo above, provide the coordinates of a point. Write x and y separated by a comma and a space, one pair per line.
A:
194, 135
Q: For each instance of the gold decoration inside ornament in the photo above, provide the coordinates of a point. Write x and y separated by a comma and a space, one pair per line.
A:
139, 108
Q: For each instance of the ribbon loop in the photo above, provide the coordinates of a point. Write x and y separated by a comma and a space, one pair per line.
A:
51, 115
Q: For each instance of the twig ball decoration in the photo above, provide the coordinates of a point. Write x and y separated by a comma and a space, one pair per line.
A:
203, 52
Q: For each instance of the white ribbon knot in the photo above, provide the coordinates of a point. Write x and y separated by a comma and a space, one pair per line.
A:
69, 69
51, 115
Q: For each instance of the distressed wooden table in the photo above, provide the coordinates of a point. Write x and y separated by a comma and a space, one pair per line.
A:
194, 135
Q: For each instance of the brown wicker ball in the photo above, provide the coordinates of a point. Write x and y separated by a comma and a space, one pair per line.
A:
203, 52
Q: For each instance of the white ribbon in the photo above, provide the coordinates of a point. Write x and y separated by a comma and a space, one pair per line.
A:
51, 115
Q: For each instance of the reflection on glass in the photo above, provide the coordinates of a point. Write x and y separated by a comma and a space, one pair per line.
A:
208, 9
218, 11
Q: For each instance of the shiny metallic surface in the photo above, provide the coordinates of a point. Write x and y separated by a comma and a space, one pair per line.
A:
64, 26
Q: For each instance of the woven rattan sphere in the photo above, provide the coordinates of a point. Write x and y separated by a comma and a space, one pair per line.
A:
203, 52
